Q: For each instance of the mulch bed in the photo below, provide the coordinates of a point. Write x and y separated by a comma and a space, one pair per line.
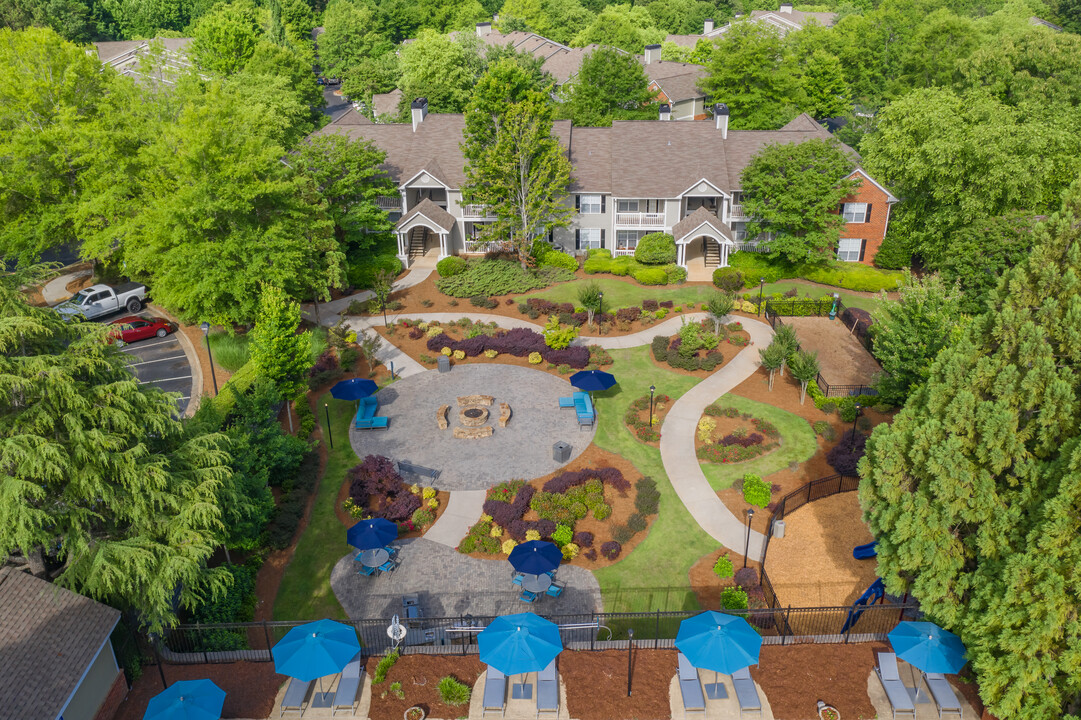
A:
250, 687
660, 412
597, 683
727, 425
420, 676
844, 360
622, 508
726, 348
796, 677
347, 521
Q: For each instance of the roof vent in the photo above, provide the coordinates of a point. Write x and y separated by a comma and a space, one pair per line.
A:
707, 26
653, 54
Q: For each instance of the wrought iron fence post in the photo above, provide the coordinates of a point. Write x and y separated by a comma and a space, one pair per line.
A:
592, 635
785, 630
266, 634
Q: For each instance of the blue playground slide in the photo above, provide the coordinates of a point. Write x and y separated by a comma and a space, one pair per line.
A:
863, 552
875, 593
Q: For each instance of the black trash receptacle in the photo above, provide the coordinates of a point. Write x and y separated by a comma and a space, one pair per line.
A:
444, 364
561, 452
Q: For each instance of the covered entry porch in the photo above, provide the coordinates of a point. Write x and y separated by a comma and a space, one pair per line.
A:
703, 243
424, 232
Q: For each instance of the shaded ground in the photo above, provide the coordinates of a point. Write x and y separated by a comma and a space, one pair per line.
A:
597, 683
249, 687
844, 361
796, 677
450, 584
419, 676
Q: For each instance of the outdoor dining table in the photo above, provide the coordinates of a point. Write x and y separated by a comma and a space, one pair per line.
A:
374, 557
536, 583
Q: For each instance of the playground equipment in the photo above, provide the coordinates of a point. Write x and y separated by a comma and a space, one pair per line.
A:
874, 594
865, 552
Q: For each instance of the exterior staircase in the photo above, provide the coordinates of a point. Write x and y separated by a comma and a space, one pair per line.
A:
417, 237
711, 253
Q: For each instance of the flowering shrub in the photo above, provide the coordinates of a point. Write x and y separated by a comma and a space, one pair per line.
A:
509, 545
648, 434
535, 358
353, 510
730, 454
706, 426
432, 503
423, 517
496, 531
611, 549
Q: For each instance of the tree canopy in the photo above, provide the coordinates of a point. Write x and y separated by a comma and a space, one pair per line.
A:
610, 84
972, 491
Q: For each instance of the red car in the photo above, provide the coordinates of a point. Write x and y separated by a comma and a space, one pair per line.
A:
132, 328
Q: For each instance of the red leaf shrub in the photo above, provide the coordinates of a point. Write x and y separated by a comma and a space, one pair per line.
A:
572, 478
327, 362
402, 507
440, 341
611, 549
583, 539
752, 439
650, 305
845, 456
629, 314
415, 333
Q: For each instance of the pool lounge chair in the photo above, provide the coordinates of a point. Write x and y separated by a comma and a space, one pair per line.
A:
495, 692
345, 697
690, 688
896, 692
548, 690
746, 692
296, 696
945, 697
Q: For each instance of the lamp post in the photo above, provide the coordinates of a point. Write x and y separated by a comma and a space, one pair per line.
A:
600, 310
761, 287
330, 435
630, 644
205, 327
652, 389
747, 543
857, 417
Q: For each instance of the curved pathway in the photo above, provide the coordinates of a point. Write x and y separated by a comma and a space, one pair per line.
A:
56, 290
330, 312
677, 443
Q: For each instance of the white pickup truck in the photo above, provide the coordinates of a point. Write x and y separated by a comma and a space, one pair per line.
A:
99, 300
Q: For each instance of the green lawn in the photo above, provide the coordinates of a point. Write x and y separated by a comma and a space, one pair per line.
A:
620, 293
798, 445
654, 575
305, 592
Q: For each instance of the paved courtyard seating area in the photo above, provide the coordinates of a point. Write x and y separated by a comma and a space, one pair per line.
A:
522, 448
450, 584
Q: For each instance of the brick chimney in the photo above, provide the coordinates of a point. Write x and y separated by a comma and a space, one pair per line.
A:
419, 110
666, 112
720, 117
786, 8
653, 54
484, 28
707, 27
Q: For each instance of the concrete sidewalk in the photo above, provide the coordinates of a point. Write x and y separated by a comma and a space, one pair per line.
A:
331, 312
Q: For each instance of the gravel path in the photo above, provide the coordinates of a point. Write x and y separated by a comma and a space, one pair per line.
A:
523, 449
451, 584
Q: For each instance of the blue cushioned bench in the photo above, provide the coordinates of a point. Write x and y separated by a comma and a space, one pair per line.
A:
366, 418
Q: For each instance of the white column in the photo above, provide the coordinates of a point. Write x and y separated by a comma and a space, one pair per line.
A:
724, 254
681, 255
403, 253
442, 245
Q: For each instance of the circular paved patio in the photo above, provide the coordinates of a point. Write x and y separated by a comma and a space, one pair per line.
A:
523, 449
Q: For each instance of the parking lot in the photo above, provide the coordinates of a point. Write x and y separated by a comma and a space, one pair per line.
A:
161, 362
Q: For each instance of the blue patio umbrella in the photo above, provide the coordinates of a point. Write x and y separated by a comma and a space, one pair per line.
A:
315, 649
592, 380
353, 389
187, 700
370, 534
718, 642
928, 647
522, 643
535, 557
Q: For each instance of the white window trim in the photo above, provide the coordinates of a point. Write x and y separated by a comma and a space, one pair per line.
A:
851, 215
844, 254
589, 204
589, 238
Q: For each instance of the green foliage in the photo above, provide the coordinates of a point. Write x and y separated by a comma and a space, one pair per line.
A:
100, 473
847, 275
804, 367
278, 352
440, 69
627, 27
349, 36
824, 430
979, 472
734, 598
230, 350
720, 305
563, 534
555, 258
610, 84
499, 277
728, 279
793, 190
558, 337
756, 491
225, 38
237, 604
384, 666
752, 74
675, 274
759, 266
453, 692
651, 276
982, 253
910, 332
655, 249
450, 266
362, 268
723, 567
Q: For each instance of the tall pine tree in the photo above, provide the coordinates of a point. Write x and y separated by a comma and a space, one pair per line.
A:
974, 491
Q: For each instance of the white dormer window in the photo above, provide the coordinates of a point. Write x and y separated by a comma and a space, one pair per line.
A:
855, 212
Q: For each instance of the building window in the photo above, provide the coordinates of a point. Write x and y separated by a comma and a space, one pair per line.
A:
848, 249
854, 212
589, 238
628, 239
590, 205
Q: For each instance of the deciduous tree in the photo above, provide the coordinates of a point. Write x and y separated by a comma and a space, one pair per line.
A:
349, 36
793, 190
751, 72
439, 69
609, 84
973, 490
278, 351
225, 38
627, 27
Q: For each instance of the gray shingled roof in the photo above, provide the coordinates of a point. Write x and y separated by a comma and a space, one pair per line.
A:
48, 638
386, 103
697, 219
433, 212
785, 22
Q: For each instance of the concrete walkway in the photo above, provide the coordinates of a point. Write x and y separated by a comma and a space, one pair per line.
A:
55, 290
463, 509
677, 445
330, 312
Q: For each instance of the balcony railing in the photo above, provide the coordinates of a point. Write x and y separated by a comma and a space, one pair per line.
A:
738, 214
623, 251
389, 203
640, 219
476, 211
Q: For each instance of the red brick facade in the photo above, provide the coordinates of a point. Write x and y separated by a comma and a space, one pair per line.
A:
873, 230
112, 701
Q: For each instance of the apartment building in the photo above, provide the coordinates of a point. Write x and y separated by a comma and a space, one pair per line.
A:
630, 179
784, 20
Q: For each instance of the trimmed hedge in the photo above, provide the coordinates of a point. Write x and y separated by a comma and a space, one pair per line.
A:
499, 277
656, 249
651, 276
728, 278
238, 384
450, 266
846, 275
360, 271
555, 258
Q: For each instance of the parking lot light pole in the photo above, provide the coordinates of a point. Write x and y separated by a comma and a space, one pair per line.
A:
761, 287
747, 544
205, 327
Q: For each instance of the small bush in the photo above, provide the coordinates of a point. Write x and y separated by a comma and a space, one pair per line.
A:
676, 275
562, 535
756, 491
637, 522
622, 534
845, 456
611, 549
723, 567
728, 279
555, 258
535, 358
570, 551
499, 277
825, 430
656, 249
829, 407
450, 266
583, 539
733, 598
384, 666
848, 410
651, 276
483, 301
453, 692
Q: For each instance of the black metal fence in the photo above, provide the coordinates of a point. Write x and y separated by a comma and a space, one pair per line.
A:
814, 490
196, 644
806, 307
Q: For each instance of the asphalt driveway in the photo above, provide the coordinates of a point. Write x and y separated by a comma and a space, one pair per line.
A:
161, 362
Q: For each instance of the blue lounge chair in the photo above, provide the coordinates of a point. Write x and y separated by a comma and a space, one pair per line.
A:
690, 687
554, 590
372, 422
746, 692
548, 690
528, 596
296, 696
366, 570
345, 697
495, 692
389, 566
